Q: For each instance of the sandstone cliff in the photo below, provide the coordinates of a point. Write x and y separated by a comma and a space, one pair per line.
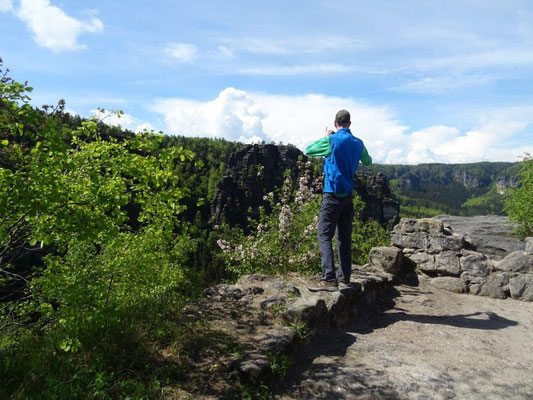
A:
256, 170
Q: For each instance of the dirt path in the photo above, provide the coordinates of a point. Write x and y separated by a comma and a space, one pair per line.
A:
429, 344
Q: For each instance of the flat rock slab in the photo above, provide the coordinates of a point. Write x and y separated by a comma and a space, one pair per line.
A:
490, 234
430, 344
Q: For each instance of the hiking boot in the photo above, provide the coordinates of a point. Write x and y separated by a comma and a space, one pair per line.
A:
344, 285
323, 286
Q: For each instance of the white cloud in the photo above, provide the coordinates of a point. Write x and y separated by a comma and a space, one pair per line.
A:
183, 52
302, 45
234, 115
51, 27
442, 84
474, 60
224, 52
274, 70
124, 121
300, 120
6, 5
144, 126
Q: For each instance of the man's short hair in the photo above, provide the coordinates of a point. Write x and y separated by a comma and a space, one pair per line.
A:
342, 118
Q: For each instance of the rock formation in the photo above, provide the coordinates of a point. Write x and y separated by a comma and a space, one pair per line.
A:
506, 182
256, 170
375, 192
463, 255
269, 315
252, 172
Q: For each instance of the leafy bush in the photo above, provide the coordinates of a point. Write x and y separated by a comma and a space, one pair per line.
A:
518, 202
106, 209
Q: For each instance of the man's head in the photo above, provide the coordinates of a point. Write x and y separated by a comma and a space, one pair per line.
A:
342, 119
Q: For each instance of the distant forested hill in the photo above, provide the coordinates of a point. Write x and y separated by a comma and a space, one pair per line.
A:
457, 189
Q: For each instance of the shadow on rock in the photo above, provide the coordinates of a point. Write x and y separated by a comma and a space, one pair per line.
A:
492, 321
336, 381
389, 313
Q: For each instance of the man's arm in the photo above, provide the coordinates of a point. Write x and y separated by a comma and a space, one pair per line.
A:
320, 148
365, 157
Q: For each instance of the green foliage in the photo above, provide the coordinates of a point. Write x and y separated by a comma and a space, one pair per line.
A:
107, 210
301, 329
365, 235
490, 202
279, 364
518, 202
419, 208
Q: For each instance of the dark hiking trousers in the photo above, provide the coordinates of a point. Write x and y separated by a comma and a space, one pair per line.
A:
336, 213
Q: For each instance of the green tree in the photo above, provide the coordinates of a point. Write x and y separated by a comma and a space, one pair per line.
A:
107, 208
518, 201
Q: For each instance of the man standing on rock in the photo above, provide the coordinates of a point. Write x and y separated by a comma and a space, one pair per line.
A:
342, 152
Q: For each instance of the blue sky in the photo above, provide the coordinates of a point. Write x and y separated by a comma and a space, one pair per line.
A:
439, 81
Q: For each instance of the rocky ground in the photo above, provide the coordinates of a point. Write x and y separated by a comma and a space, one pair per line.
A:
424, 343
394, 334
255, 326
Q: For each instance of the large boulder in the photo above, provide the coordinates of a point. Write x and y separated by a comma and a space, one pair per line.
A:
423, 261
418, 240
476, 264
521, 287
388, 258
495, 286
406, 225
445, 243
449, 283
447, 263
474, 255
430, 225
529, 244
517, 261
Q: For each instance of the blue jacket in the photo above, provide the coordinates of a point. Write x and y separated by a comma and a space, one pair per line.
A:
343, 151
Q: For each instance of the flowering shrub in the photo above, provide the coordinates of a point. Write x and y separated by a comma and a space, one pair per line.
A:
286, 239
282, 241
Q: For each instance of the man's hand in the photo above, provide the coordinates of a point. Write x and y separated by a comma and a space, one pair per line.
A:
328, 131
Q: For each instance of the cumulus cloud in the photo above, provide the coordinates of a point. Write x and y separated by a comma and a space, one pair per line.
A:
234, 115
125, 121
248, 117
51, 27
183, 52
